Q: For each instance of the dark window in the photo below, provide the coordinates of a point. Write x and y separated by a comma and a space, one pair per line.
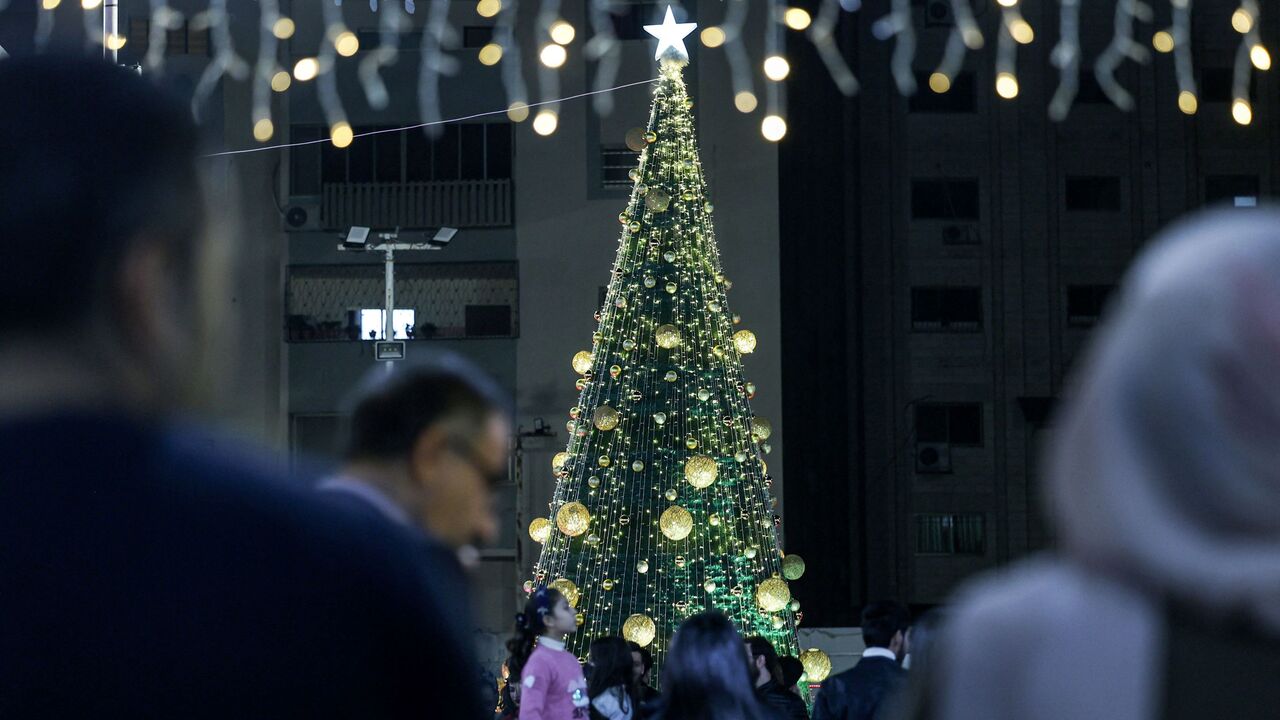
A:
1092, 193
497, 155
333, 162
488, 320
955, 309
944, 199
1085, 303
951, 534
949, 423
417, 156
961, 98
181, 40
371, 39
444, 154
388, 155
474, 36
472, 153
616, 162
630, 18
304, 161
360, 158
1238, 190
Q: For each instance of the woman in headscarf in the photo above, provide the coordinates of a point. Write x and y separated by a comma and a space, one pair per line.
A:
1163, 600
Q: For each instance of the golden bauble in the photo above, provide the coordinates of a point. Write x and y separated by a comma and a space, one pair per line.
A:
792, 567
700, 471
559, 459
667, 336
651, 137
642, 567
637, 465
567, 589
540, 529
603, 461
773, 594
582, 362
639, 629
816, 664
676, 523
709, 586
605, 418
660, 418
670, 376
761, 428
573, 519
745, 341
657, 200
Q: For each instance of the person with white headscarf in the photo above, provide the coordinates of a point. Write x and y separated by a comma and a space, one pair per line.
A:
1163, 599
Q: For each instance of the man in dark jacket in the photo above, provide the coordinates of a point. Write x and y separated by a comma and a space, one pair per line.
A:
865, 691
764, 658
150, 569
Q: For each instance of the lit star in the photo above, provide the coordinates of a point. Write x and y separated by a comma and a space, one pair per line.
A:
671, 35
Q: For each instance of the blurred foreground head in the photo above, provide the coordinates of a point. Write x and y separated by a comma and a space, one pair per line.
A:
101, 219
1165, 467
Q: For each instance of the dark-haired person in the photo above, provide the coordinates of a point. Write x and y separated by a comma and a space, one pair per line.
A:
144, 574
870, 687
642, 668
706, 675
768, 681
611, 681
792, 671
552, 686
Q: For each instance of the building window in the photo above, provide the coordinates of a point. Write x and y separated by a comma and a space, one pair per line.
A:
182, 40
1092, 193
955, 424
466, 151
1085, 304
949, 309
944, 199
1238, 190
616, 162
962, 97
951, 534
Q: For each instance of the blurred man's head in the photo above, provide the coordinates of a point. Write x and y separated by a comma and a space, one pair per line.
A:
641, 662
440, 429
884, 624
764, 660
101, 222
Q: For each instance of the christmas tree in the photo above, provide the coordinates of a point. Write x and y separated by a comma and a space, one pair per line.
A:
662, 506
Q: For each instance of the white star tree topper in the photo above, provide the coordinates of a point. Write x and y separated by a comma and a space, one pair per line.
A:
671, 35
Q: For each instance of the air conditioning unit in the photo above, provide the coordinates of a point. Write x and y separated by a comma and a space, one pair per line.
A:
302, 215
933, 458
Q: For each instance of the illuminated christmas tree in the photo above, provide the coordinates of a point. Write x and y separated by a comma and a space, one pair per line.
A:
662, 505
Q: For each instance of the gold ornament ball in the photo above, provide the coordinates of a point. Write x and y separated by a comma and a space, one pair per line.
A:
709, 586
566, 588
816, 664
605, 418
773, 594
540, 529
559, 459
573, 519
670, 376
745, 341
792, 567
761, 428
593, 482
637, 466
593, 539
691, 442
604, 461
651, 137
639, 629
642, 567
660, 417
607, 584
750, 553
778, 622
676, 523
582, 362
657, 200
671, 495
700, 471
667, 336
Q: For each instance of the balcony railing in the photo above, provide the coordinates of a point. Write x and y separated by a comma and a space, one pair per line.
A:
456, 203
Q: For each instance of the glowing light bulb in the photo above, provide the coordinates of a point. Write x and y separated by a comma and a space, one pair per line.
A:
306, 69
490, 54
712, 36
1241, 111
1007, 85
562, 32
1007, 3
553, 56
90, 4
797, 18
518, 111
1020, 30
1187, 102
115, 42
281, 81
50, 4
340, 134
283, 28
1162, 41
776, 68
346, 43
1242, 21
263, 130
545, 122
745, 101
773, 127
939, 82
488, 8
1260, 57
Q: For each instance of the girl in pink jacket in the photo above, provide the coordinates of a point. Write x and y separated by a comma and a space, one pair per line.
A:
552, 686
